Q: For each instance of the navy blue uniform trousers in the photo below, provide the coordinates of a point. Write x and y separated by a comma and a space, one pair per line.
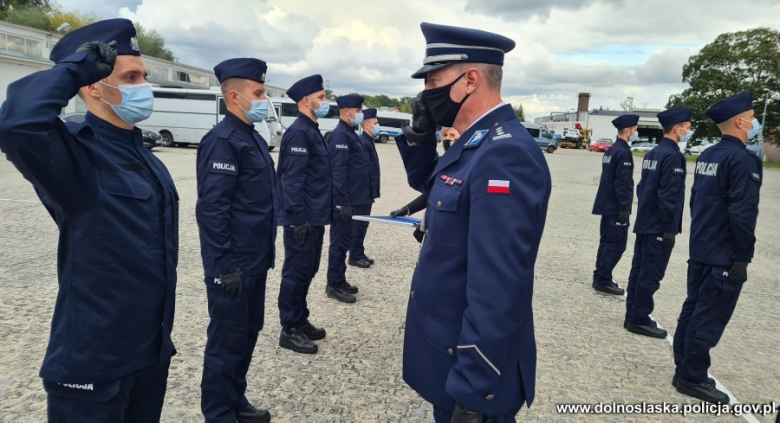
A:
647, 270
341, 235
232, 335
704, 316
135, 398
612, 244
440, 415
357, 250
301, 263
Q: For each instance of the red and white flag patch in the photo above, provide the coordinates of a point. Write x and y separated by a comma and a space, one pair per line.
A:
498, 186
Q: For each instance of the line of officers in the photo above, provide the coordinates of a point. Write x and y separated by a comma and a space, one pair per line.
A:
117, 209
724, 209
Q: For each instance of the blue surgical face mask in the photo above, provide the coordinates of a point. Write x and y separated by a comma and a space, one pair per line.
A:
376, 129
755, 129
634, 137
137, 102
257, 111
357, 120
687, 137
323, 109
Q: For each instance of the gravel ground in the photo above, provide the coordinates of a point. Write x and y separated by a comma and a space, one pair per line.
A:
585, 356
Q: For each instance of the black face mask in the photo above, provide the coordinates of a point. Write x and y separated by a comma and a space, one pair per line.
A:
441, 106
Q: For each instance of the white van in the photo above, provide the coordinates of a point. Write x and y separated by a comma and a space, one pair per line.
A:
390, 124
287, 110
183, 116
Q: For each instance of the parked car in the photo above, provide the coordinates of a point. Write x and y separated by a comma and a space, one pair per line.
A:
547, 146
643, 146
151, 139
601, 145
696, 150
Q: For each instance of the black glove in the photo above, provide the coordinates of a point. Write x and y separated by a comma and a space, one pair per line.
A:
668, 240
103, 54
738, 270
300, 232
345, 213
462, 415
231, 283
623, 217
423, 128
399, 213
418, 234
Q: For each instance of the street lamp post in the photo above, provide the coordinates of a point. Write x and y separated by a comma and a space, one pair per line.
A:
768, 94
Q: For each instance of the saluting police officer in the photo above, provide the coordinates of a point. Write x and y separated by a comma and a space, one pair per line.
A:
117, 211
306, 206
351, 194
357, 251
235, 214
614, 200
724, 209
661, 194
469, 347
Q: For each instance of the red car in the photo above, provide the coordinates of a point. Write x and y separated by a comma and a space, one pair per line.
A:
601, 145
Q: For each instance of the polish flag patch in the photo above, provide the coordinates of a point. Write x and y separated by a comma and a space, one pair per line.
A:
498, 186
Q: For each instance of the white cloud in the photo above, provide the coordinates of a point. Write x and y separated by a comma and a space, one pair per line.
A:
610, 48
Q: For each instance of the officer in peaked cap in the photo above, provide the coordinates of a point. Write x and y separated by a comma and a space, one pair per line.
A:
614, 200
237, 224
110, 343
661, 193
371, 128
305, 208
724, 209
469, 346
351, 194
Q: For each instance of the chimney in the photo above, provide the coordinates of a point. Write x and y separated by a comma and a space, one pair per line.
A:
584, 102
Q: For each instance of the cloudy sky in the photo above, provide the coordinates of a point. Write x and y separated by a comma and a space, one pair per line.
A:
610, 48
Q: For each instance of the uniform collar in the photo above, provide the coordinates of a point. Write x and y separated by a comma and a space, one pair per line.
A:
618, 140
346, 125
308, 121
673, 144
103, 129
486, 113
735, 140
365, 134
234, 120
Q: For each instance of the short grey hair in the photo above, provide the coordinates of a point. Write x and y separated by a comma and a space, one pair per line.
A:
494, 74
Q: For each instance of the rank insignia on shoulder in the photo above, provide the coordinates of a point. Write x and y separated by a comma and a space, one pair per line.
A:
476, 138
450, 181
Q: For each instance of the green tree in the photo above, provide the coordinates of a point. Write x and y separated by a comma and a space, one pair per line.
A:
9, 5
29, 16
329, 94
75, 18
519, 113
152, 44
734, 62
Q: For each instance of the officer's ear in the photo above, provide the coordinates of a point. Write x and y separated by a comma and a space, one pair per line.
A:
473, 78
92, 91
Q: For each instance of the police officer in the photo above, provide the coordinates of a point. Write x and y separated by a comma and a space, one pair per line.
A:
235, 214
724, 208
117, 209
469, 347
661, 193
306, 206
357, 251
613, 202
351, 193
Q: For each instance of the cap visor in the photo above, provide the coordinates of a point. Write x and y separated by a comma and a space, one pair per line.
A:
420, 74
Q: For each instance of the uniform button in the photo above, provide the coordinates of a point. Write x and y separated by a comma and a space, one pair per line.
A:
412, 295
438, 203
449, 351
489, 397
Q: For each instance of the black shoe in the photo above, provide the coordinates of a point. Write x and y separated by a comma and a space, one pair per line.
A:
703, 391
362, 263
352, 289
613, 289
652, 323
369, 260
295, 340
646, 330
253, 415
312, 332
676, 377
340, 294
